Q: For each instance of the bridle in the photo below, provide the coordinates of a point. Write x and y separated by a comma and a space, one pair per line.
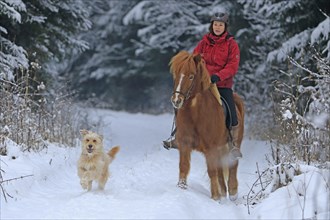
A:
186, 95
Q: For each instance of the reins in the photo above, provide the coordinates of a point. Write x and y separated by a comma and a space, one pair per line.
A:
173, 130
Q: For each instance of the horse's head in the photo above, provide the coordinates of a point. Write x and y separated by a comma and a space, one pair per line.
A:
189, 75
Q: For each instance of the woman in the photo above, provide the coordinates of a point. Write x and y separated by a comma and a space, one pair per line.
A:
221, 54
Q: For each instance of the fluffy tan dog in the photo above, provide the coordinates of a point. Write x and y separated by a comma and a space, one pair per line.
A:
93, 164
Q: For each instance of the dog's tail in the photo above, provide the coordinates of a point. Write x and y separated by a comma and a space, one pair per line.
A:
112, 153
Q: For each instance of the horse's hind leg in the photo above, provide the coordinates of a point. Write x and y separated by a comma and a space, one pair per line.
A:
184, 167
232, 181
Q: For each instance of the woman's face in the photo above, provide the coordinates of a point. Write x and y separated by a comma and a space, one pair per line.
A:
218, 27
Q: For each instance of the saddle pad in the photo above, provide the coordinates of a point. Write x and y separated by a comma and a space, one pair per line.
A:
215, 92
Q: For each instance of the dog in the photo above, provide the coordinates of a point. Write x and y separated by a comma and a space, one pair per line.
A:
93, 164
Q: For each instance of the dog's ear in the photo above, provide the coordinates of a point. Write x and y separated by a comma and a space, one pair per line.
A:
83, 132
101, 136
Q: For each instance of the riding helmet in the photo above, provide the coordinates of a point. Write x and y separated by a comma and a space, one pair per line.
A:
220, 16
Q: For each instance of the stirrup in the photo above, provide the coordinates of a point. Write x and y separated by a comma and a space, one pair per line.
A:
168, 144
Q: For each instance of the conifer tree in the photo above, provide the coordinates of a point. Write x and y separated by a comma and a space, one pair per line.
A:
279, 30
39, 31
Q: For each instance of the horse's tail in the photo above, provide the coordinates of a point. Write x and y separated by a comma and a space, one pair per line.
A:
239, 104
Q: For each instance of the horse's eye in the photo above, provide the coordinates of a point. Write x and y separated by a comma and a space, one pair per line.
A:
191, 77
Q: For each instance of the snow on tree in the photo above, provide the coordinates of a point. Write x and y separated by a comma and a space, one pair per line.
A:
39, 31
33, 33
291, 52
12, 56
279, 29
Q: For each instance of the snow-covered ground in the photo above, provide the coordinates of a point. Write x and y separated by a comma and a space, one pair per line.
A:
143, 180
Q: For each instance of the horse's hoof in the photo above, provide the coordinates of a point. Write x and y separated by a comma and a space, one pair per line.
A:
182, 184
236, 154
233, 197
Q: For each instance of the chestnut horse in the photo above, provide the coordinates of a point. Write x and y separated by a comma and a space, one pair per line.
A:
201, 124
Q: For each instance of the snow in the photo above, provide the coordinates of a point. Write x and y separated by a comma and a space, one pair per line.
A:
292, 44
143, 180
135, 14
287, 114
11, 8
322, 31
319, 121
3, 30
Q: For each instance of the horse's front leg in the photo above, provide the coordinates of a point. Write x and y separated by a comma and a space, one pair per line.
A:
212, 161
232, 181
184, 167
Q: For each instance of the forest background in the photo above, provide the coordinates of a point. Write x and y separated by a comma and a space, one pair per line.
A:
114, 54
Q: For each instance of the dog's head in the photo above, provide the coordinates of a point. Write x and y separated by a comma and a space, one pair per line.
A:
92, 143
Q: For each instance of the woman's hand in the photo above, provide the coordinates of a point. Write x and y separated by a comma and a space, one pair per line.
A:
215, 78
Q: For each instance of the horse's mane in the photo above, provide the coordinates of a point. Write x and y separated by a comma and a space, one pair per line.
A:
184, 62
193, 63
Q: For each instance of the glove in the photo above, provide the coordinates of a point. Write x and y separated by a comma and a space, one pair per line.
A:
215, 78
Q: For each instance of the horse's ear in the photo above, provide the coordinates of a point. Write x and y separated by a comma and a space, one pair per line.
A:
197, 58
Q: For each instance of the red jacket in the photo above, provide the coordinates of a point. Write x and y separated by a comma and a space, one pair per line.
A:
221, 55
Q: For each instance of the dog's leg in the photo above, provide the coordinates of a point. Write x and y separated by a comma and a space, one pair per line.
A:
84, 183
103, 178
102, 183
84, 176
89, 185
81, 171
86, 180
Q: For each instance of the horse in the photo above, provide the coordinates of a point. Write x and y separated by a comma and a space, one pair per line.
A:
201, 124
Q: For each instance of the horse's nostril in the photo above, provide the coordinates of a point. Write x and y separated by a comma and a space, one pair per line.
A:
177, 103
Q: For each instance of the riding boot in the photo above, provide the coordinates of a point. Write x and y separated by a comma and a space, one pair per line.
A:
235, 152
170, 144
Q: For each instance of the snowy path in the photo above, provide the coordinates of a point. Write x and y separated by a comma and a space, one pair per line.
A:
142, 184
